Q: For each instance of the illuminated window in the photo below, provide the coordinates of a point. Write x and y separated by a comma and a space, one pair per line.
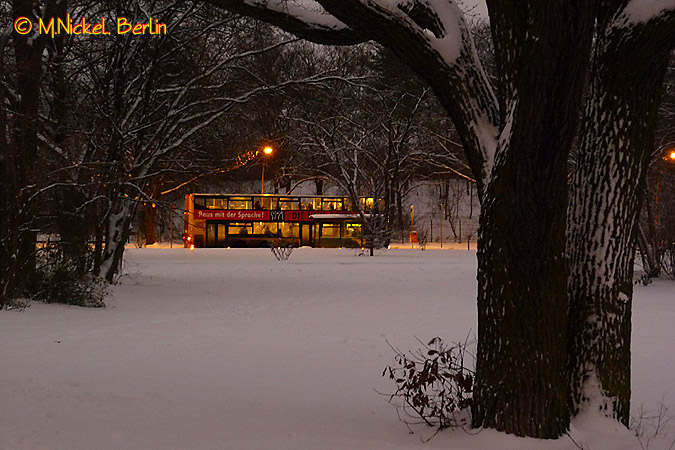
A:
353, 230
240, 203
265, 228
367, 203
289, 204
289, 229
221, 233
314, 203
330, 230
380, 204
214, 203
332, 204
268, 203
240, 229
211, 234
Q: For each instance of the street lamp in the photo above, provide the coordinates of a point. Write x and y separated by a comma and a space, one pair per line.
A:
670, 158
266, 151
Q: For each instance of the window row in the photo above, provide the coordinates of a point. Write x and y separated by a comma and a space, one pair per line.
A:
284, 203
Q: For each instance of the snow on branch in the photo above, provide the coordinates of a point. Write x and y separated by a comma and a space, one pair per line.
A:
644, 11
438, 23
304, 18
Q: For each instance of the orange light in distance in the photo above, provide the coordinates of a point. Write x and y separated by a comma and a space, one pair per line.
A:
268, 150
192, 247
672, 156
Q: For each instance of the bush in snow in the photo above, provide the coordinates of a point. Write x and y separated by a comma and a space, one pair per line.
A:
650, 426
668, 261
58, 280
422, 239
432, 384
18, 304
282, 249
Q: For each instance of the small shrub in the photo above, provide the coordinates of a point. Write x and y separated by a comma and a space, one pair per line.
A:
433, 384
17, 304
281, 248
650, 426
422, 239
57, 280
668, 262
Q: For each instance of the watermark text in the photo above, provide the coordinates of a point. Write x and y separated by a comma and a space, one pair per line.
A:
57, 26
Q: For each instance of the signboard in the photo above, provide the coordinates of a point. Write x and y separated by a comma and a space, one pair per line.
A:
232, 214
264, 215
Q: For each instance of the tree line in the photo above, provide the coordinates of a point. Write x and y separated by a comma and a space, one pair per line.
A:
98, 130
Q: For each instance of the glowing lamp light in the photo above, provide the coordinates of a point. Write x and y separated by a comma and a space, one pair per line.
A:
192, 248
672, 156
268, 150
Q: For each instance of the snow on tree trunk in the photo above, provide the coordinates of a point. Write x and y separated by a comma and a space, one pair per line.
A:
616, 142
521, 366
118, 229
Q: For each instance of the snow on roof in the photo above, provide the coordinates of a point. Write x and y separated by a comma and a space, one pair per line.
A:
323, 216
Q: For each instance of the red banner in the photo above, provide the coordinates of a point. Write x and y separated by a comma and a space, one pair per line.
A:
262, 215
232, 214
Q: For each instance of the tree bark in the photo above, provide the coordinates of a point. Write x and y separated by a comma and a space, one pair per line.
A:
521, 383
17, 255
118, 229
607, 192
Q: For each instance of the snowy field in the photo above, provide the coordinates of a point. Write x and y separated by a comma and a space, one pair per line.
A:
232, 349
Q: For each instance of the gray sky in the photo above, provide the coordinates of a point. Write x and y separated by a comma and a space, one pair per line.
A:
479, 6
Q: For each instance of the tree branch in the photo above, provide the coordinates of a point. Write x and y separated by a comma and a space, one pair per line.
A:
306, 20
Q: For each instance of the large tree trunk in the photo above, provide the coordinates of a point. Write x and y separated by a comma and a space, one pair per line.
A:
604, 210
521, 381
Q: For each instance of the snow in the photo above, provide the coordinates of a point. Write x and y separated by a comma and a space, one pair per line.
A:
309, 12
642, 11
232, 349
336, 216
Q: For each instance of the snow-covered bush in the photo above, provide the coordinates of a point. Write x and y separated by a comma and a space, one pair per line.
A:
58, 280
433, 384
668, 262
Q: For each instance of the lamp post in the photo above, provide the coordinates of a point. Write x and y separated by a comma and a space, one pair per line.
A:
670, 158
412, 225
440, 212
266, 151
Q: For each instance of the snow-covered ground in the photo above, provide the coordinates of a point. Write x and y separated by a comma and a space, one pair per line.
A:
232, 349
